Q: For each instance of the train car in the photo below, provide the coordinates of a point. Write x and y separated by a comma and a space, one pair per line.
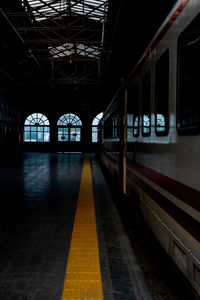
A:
150, 137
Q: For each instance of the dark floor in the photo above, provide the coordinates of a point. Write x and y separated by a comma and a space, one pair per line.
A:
38, 200
38, 206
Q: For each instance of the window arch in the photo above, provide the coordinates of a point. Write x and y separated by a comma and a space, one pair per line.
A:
95, 127
69, 128
36, 128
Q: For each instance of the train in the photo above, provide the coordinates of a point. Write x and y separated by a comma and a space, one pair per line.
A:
149, 137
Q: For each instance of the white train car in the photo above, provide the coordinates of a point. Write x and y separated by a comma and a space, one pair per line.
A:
151, 137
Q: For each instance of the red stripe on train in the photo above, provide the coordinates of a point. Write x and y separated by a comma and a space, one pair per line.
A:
181, 191
160, 35
166, 27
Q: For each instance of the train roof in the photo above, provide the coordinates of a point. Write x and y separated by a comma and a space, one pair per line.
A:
163, 29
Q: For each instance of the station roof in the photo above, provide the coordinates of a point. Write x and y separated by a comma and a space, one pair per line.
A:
85, 47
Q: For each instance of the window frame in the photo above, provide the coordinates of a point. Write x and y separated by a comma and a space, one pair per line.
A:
185, 37
95, 127
159, 64
146, 95
68, 127
136, 94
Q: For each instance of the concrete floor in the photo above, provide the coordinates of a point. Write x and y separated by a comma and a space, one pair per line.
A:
39, 194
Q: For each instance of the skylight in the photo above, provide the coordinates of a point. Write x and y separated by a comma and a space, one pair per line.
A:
68, 31
69, 49
43, 9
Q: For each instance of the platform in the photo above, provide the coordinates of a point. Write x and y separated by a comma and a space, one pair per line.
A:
45, 218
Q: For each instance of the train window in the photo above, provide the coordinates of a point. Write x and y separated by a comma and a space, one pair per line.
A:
129, 113
111, 127
146, 103
136, 111
133, 111
129, 126
162, 95
115, 126
188, 108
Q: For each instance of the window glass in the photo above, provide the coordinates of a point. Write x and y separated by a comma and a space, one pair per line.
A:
116, 124
162, 94
69, 119
75, 134
129, 120
27, 122
112, 127
136, 126
78, 134
63, 137
27, 136
33, 137
94, 136
33, 128
146, 97
60, 131
40, 137
135, 99
95, 127
188, 109
46, 122
129, 113
160, 124
46, 136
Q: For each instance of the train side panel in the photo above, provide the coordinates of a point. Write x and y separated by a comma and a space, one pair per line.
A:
162, 141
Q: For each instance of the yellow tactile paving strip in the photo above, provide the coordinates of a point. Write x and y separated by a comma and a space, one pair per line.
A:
83, 275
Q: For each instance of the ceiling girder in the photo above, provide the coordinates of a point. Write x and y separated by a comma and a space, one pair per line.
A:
59, 33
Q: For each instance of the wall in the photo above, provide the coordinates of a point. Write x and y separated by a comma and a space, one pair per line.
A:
10, 136
85, 145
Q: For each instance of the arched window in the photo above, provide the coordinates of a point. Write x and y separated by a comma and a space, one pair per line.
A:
69, 128
95, 127
36, 128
